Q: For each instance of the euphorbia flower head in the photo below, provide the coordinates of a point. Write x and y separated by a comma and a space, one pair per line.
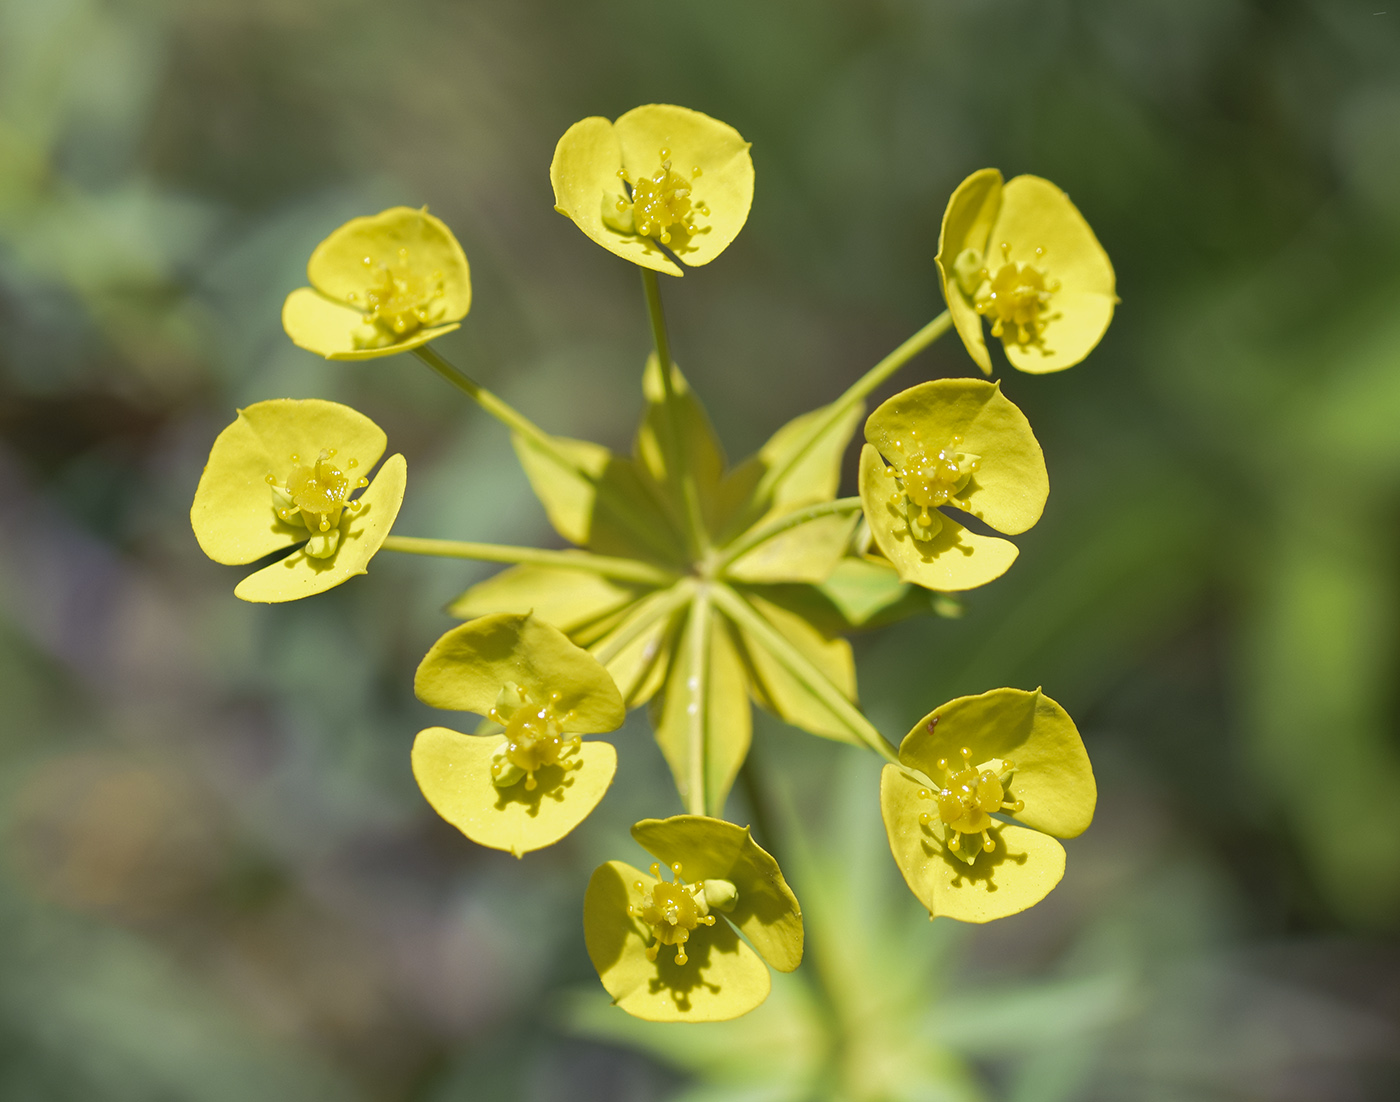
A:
1021, 255
526, 787
661, 178
380, 285
286, 472
964, 769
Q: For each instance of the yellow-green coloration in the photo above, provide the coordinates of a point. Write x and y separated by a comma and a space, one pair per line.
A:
1021, 255
284, 474
671, 910
380, 285
527, 786
958, 443
733, 885
963, 859
659, 176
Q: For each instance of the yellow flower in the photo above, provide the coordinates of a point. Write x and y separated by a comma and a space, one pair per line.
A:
526, 787
1004, 753
1022, 256
658, 176
285, 473
666, 950
380, 285
958, 443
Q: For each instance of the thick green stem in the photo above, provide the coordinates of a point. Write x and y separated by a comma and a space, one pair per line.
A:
698, 683
626, 570
856, 392
677, 459
757, 536
796, 663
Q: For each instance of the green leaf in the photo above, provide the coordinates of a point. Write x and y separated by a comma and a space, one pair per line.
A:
568, 599
637, 651
868, 592
704, 455
701, 716
807, 553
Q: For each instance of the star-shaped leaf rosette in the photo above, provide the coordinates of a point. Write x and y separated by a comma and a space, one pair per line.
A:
667, 943
952, 443
528, 784
380, 285
661, 184
288, 473
984, 786
1021, 255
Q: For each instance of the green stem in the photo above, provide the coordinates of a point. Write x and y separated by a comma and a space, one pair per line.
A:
627, 570
677, 461
698, 682
778, 526
796, 663
856, 392
655, 608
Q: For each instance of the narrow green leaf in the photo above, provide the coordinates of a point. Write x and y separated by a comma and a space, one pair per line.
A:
568, 599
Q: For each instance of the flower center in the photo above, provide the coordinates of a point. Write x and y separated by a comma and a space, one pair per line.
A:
398, 298
1015, 298
968, 796
315, 496
534, 737
672, 911
661, 202
925, 479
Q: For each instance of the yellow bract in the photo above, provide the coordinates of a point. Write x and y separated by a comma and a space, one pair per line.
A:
1021, 255
666, 950
958, 443
1005, 753
529, 785
659, 176
380, 285
286, 472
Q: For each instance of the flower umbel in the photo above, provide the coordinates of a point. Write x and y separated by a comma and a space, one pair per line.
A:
1021, 255
723, 882
958, 443
284, 473
961, 857
659, 175
380, 285
532, 782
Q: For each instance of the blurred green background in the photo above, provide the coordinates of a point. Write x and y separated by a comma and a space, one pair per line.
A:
217, 878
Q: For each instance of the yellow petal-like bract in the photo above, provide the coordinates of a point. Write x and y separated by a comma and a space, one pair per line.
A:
660, 176
956, 443
528, 786
287, 472
966, 768
381, 284
1021, 255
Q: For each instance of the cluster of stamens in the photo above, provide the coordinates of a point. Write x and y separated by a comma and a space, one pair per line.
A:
672, 910
661, 202
534, 738
398, 298
927, 480
968, 797
315, 495
1015, 298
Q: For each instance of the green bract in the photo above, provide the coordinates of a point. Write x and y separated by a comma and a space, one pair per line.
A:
528, 786
958, 443
286, 472
380, 285
1004, 753
1021, 255
723, 880
658, 176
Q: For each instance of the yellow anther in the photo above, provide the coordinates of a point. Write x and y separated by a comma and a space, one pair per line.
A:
968, 796
673, 910
315, 497
1016, 298
661, 204
926, 478
534, 737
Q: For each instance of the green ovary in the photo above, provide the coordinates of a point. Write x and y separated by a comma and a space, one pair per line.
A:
534, 738
398, 299
661, 203
673, 910
968, 797
316, 497
926, 479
